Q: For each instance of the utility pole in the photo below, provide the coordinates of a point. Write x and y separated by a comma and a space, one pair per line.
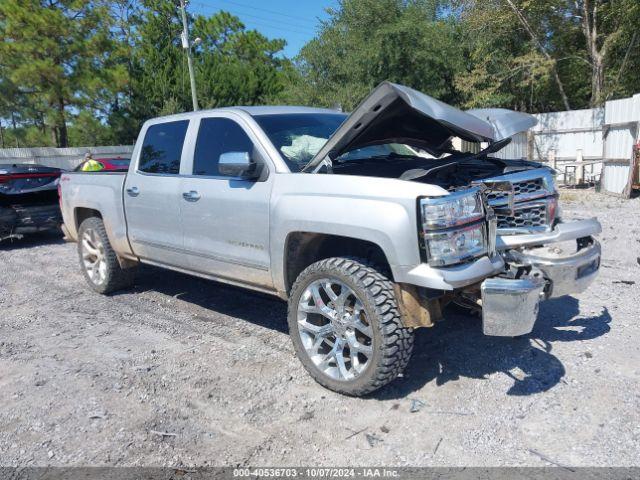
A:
187, 46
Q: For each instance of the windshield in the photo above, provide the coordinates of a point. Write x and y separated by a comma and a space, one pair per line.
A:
298, 137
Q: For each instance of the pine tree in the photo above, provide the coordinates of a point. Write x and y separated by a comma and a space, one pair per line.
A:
58, 54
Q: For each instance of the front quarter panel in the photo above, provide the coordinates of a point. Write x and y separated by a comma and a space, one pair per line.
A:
378, 210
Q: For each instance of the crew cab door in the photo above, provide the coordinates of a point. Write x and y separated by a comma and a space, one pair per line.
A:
152, 194
226, 220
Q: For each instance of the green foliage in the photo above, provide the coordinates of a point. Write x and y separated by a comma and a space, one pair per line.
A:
235, 66
504, 69
517, 46
158, 75
86, 129
84, 72
367, 41
56, 56
24, 136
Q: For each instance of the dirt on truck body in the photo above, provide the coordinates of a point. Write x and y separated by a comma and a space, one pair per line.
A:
368, 224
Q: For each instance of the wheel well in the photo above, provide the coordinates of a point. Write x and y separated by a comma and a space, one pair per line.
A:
82, 214
304, 248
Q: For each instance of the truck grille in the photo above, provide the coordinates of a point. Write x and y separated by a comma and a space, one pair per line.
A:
524, 216
525, 188
534, 202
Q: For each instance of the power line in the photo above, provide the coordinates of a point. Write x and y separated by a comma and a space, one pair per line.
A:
273, 12
261, 21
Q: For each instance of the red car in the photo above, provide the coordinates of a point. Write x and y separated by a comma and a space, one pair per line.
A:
116, 164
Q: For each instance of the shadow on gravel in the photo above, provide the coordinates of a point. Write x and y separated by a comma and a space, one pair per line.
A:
53, 237
457, 348
453, 349
255, 307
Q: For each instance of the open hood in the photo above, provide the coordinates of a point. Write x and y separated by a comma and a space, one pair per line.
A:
505, 123
397, 114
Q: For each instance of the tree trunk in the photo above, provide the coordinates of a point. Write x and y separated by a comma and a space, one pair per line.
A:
54, 135
554, 68
42, 124
597, 80
63, 138
597, 57
15, 129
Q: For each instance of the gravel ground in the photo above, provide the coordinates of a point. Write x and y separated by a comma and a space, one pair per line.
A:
182, 372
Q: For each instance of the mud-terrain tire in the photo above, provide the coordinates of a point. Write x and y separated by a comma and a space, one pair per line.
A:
94, 248
374, 348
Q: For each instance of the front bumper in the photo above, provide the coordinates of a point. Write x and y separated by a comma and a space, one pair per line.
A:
510, 306
565, 274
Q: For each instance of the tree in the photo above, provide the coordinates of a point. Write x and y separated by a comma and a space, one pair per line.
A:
233, 66
367, 41
567, 54
58, 55
609, 27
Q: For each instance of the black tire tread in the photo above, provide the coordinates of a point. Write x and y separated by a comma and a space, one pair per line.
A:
397, 341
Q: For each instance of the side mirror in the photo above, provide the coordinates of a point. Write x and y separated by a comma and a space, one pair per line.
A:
239, 165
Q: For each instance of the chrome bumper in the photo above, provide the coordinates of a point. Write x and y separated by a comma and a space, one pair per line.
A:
510, 306
564, 274
562, 232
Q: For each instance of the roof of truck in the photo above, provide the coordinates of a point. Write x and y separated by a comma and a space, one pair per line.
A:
251, 110
277, 110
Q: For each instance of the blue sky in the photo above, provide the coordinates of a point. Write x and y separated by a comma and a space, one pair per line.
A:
294, 20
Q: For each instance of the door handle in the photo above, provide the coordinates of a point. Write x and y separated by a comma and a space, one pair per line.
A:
191, 196
133, 191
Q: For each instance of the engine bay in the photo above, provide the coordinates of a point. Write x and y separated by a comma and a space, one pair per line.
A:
450, 172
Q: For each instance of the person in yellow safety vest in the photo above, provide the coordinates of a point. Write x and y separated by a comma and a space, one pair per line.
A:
91, 165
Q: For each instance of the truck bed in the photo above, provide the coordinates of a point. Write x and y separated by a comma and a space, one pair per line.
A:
82, 192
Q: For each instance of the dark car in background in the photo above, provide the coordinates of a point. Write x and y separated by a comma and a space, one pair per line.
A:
28, 199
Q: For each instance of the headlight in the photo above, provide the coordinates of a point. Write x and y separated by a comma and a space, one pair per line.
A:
452, 227
455, 209
455, 246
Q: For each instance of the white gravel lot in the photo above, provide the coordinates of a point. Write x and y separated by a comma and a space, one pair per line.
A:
182, 372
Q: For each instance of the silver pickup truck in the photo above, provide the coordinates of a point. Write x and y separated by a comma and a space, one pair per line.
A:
368, 224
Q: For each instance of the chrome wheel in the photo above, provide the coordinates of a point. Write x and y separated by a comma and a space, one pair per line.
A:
93, 257
334, 329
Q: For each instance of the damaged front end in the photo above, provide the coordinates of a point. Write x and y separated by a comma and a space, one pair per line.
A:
529, 253
492, 242
554, 266
509, 302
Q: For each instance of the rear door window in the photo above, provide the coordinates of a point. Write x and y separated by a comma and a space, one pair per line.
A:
215, 137
162, 147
